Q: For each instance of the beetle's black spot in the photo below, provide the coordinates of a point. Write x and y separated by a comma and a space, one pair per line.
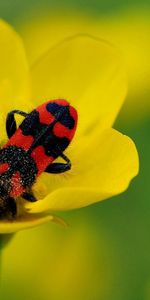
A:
43, 135
31, 124
54, 146
53, 108
61, 114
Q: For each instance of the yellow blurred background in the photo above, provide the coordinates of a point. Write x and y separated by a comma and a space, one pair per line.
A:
104, 254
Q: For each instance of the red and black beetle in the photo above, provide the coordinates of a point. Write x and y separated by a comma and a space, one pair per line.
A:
31, 149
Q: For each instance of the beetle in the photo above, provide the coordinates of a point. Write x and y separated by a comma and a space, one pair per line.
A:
32, 148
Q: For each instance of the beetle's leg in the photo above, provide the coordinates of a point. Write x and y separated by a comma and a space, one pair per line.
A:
11, 207
8, 208
57, 168
29, 196
11, 123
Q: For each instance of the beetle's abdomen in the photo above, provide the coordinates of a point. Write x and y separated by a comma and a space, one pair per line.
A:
17, 171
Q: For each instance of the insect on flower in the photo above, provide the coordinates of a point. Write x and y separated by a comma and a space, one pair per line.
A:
31, 149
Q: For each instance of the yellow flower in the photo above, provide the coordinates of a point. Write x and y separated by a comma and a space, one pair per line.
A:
88, 73
129, 30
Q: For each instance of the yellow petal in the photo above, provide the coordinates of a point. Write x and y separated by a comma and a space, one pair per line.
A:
103, 169
86, 71
14, 74
129, 30
43, 31
28, 221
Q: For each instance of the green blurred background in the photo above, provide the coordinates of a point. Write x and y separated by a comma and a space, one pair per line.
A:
105, 253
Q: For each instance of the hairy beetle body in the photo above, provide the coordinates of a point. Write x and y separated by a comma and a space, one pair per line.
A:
31, 149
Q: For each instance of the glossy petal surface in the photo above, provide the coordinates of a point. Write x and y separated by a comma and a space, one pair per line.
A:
87, 72
28, 221
14, 74
99, 172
